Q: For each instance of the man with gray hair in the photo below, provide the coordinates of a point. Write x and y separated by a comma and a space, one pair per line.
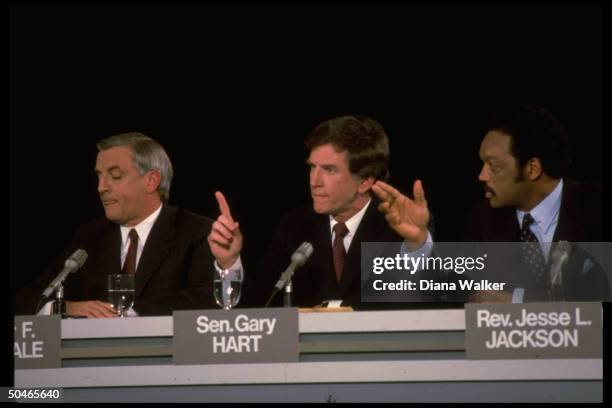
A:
163, 246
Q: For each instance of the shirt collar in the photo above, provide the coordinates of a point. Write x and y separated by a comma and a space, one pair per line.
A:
142, 229
545, 213
352, 223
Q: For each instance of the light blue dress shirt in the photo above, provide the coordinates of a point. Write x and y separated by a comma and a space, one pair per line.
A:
546, 218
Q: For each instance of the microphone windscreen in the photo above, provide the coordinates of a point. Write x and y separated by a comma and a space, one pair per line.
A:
77, 259
306, 249
301, 254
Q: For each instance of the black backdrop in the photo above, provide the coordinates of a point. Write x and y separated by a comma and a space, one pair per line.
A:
231, 92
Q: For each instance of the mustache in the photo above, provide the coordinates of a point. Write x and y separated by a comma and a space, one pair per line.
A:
488, 189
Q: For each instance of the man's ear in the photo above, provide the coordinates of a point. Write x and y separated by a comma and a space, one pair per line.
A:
152, 180
366, 185
533, 169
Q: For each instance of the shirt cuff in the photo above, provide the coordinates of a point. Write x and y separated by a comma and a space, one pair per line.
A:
424, 250
236, 267
132, 313
517, 295
46, 309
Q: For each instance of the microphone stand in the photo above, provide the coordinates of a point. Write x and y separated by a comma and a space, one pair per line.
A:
555, 293
59, 307
287, 296
298, 259
274, 292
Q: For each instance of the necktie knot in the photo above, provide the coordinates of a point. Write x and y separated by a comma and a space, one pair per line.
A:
129, 265
527, 221
340, 230
338, 249
532, 253
133, 235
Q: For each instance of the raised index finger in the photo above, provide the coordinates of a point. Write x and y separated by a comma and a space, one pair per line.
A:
419, 192
223, 206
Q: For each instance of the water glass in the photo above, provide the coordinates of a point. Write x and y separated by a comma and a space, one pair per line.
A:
226, 287
121, 292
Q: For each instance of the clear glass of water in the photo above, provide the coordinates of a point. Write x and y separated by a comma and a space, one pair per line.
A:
226, 285
121, 292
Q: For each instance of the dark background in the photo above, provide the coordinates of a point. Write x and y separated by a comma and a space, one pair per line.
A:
230, 92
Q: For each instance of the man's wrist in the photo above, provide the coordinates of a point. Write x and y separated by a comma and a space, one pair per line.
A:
414, 246
235, 263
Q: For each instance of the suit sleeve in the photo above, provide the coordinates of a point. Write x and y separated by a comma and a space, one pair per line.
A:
259, 282
194, 287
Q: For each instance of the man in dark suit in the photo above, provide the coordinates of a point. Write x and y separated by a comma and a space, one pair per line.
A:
347, 155
525, 156
528, 197
163, 246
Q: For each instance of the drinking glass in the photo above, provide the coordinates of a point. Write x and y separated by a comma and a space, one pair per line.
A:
226, 287
121, 292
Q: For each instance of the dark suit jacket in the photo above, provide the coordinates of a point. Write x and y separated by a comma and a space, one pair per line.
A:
316, 282
580, 220
175, 270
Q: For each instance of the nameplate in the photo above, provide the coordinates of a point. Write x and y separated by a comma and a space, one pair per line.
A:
238, 336
533, 330
37, 342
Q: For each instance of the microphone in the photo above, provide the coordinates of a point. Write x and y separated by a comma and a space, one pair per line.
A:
298, 258
559, 257
72, 264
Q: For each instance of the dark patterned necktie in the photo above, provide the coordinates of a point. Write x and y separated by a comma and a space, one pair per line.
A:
340, 231
532, 253
129, 265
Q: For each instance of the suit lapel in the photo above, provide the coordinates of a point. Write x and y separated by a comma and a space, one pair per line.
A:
109, 251
322, 255
156, 248
506, 227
